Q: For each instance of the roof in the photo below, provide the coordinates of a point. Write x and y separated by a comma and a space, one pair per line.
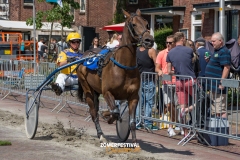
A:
211, 5
21, 26
169, 10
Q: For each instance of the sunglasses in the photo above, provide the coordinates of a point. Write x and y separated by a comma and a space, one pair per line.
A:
75, 42
169, 42
95, 41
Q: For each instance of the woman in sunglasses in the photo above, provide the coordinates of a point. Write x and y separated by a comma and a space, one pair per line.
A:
95, 43
68, 76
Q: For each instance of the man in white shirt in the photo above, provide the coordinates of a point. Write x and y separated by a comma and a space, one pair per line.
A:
40, 43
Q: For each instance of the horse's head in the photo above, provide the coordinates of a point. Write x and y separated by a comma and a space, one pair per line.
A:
139, 29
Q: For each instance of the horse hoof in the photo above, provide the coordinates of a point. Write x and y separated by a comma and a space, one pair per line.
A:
111, 120
103, 139
134, 141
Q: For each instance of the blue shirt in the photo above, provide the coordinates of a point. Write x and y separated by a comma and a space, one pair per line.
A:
181, 59
215, 66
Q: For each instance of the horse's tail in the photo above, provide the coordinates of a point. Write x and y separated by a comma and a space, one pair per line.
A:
80, 93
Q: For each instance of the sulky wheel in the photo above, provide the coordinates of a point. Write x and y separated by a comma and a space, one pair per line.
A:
31, 117
122, 125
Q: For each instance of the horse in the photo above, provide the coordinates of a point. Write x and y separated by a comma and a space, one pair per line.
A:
116, 81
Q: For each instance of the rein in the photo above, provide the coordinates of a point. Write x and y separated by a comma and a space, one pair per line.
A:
122, 66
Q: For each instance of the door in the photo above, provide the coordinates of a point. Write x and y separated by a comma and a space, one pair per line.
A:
88, 33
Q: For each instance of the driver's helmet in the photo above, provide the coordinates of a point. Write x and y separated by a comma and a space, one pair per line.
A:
73, 36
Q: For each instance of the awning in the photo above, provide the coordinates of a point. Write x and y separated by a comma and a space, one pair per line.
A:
230, 5
169, 10
21, 26
115, 27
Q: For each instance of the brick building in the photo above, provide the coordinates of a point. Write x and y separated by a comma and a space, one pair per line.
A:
92, 15
199, 17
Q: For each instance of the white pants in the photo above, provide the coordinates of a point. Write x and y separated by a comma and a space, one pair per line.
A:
65, 80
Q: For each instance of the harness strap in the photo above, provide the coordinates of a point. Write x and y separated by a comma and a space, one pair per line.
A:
122, 66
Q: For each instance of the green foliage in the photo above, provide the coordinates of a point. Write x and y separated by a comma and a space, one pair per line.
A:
5, 143
160, 36
233, 97
56, 14
118, 16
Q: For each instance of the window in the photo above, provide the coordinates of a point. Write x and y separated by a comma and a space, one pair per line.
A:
72, 13
185, 32
196, 27
4, 9
82, 6
133, 1
3, 1
231, 24
28, 2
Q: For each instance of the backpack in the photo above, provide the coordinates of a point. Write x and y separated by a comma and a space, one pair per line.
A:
196, 64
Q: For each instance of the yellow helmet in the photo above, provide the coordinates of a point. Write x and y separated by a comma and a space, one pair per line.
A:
72, 36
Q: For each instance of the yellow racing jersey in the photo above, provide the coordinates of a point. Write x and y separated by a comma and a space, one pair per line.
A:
63, 55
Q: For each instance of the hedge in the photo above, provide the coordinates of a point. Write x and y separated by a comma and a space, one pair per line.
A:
160, 36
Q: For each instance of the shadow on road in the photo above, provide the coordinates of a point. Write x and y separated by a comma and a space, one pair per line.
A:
152, 147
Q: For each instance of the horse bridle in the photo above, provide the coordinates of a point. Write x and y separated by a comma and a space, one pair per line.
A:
132, 31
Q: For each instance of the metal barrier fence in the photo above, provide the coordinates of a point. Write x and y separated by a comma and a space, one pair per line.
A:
196, 106
218, 109
17, 76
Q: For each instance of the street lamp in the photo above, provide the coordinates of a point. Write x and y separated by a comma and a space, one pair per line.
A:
34, 36
222, 18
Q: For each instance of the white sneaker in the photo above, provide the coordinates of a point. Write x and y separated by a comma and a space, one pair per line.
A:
182, 132
171, 132
177, 128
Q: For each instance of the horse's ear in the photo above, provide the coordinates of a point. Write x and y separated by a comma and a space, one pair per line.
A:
138, 12
126, 14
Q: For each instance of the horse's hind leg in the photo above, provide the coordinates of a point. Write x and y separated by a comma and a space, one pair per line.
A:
132, 104
96, 120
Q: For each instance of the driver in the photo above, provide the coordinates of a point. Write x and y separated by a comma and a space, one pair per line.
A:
65, 78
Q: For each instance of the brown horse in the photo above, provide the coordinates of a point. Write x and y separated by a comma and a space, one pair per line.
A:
118, 82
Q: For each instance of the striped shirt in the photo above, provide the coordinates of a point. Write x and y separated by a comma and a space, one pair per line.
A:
215, 66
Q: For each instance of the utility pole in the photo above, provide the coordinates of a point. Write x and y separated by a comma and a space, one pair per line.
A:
222, 18
34, 36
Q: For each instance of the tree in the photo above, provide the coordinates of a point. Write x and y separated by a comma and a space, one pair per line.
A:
118, 16
56, 14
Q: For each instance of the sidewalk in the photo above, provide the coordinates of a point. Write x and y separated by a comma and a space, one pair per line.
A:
157, 143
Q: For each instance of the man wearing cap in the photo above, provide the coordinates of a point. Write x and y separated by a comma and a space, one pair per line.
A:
68, 76
201, 50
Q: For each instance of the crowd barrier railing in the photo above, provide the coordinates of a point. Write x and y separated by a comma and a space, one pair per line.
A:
17, 76
217, 109
190, 104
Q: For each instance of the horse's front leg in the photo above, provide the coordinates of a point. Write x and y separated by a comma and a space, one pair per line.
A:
115, 112
132, 104
93, 103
